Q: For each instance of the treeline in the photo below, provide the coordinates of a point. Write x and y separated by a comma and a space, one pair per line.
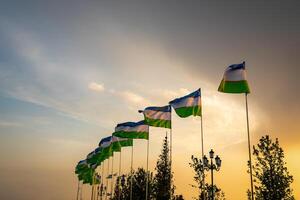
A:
271, 177
272, 181
159, 184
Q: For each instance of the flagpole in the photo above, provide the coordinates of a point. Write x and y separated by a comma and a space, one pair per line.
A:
171, 136
92, 195
249, 147
131, 169
102, 177
95, 188
147, 168
112, 177
98, 192
81, 191
78, 189
119, 180
202, 153
107, 178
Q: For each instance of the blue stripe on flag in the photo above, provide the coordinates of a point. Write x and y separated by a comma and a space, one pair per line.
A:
107, 139
81, 162
237, 66
98, 150
162, 109
132, 124
195, 94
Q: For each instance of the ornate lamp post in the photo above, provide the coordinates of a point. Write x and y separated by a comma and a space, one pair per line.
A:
212, 166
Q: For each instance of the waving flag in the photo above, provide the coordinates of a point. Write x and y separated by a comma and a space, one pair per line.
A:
106, 150
118, 143
188, 105
94, 157
133, 130
125, 142
158, 116
81, 166
234, 80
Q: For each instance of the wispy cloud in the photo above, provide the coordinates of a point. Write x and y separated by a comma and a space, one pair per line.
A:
96, 87
133, 97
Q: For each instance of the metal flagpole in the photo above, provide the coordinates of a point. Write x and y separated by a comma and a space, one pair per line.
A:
131, 178
119, 179
102, 179
78, 187
202, 153
107, 178
98, 194
81, 188
171, 135
92, 195
112, 177
249, 147
147, 168
95, 187
96, 191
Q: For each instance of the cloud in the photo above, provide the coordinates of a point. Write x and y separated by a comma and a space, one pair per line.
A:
134, 98
96, 87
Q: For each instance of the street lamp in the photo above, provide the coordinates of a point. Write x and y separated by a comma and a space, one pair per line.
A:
212, 166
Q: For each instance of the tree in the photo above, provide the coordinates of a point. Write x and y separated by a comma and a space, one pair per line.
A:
138, 186
271, 177
162, 183
205, 190
159, 186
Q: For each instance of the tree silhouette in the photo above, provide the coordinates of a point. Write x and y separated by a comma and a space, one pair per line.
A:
163, 174
159, 186
271, 177
205, 190
138, 186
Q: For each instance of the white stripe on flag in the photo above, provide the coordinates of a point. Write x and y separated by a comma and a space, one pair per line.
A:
188, 102
234, 75
105, 144
117, 139
140, 128
152, 114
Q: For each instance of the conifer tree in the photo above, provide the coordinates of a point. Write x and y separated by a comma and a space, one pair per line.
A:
138, 186
271, 177
162, 183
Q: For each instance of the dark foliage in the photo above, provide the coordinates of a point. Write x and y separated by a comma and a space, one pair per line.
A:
162, 186
138, 186
271, 177
205, 190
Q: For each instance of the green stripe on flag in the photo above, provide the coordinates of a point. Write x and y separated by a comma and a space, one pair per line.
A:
126, 143
158, 122
234, 87
132, 135
188, 111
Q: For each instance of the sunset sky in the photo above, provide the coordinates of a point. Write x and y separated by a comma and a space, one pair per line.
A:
71, 70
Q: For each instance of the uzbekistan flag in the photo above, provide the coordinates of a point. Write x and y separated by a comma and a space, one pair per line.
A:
234, 80
81, 166
133, 130
188, 105
158, 116
118, 142
94, 156
106, 150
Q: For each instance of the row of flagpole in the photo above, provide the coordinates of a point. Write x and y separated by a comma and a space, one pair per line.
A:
234, 81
